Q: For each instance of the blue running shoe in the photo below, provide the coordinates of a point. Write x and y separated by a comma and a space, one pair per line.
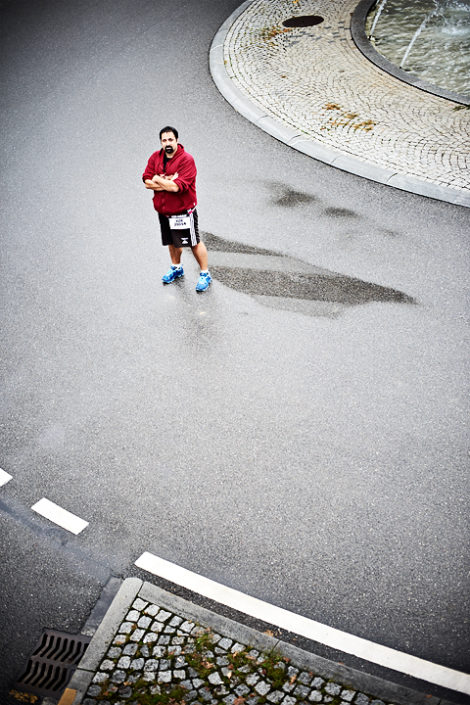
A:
173, 273
204, 281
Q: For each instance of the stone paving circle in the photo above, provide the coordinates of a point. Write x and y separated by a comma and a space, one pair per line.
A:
315, 81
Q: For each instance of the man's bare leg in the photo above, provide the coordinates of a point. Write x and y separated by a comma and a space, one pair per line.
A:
200, 253
175, 254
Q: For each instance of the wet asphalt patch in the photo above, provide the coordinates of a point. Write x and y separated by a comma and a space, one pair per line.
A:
285, 282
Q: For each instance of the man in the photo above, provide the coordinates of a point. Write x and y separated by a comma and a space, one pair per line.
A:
171, 175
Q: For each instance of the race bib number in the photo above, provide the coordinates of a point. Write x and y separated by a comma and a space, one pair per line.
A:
179, 222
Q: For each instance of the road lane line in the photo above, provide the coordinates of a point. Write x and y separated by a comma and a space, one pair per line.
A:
59, 516
4, 477
336, 639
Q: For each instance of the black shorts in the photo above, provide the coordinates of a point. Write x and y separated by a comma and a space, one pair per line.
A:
180, 238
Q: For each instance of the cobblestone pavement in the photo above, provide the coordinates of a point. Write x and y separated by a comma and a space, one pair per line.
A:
158, 652
158, 648
316, 82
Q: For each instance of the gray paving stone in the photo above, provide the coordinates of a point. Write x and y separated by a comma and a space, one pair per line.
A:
133, 616
317, 683
333, 689
94, 690
237, 647
126, 627
119, 640
362, 699
301, 691
139, 604
137, 664
252, 679
348, 695
144, 622
137, 635
150, 638
151, 665
107, 665
124, 662
187, 626
289, 700
114, 652
215, 679
262, 688
275, 697
157, 627
151, 610
242, 690
315, 696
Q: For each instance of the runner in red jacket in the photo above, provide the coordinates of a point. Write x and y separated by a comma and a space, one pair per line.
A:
171, 175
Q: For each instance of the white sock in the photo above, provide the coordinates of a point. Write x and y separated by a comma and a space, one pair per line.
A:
204, 271
177, 266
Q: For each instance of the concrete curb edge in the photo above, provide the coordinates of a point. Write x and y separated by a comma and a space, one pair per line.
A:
99, 644
297, 140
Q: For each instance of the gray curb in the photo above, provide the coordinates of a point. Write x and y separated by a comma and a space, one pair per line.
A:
99, 644
134, 587
295, 139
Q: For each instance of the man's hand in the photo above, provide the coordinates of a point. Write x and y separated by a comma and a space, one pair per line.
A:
152, 186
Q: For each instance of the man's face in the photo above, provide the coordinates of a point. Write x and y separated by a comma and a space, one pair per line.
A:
169, 143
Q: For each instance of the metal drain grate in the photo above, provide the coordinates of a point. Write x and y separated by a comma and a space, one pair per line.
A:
54, 660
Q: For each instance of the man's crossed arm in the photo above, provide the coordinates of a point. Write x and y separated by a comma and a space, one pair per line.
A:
162, 183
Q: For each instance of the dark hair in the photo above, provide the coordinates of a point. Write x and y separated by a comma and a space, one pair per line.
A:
169, 129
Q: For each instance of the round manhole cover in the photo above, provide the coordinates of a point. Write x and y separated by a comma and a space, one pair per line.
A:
303, 21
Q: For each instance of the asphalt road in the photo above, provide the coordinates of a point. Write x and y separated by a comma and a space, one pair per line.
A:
299, 431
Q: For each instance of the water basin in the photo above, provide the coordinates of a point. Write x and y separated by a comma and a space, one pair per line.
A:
429, 39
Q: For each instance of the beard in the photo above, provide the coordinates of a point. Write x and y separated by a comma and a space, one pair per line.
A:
169, 149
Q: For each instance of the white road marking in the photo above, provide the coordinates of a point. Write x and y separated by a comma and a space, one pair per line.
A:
4, 477
59, 516
348, 643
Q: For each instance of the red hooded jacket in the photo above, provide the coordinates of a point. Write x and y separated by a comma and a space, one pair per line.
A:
173, 202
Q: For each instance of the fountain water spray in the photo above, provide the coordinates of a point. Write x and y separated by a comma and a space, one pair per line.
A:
417, 33
376, 18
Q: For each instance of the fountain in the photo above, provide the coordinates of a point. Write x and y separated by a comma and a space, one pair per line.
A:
378, 12
429, 40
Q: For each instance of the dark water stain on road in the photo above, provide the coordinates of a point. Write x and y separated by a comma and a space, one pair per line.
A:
288, 283
287, 197
340, 212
